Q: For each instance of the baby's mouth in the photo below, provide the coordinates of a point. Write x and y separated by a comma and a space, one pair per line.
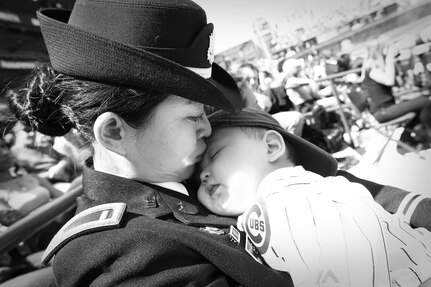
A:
212, 189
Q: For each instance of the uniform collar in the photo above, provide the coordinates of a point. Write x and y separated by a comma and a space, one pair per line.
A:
176, 186
145, 199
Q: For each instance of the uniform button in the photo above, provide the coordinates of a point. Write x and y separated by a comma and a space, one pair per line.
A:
185, 207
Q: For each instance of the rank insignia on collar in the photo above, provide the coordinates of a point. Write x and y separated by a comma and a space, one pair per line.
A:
187, 208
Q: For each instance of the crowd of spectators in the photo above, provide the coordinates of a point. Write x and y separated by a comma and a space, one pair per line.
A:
298, 84
34, 169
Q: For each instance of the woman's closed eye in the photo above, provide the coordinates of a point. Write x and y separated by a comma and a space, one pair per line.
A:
197, 118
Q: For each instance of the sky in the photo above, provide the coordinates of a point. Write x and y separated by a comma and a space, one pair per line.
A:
233, 18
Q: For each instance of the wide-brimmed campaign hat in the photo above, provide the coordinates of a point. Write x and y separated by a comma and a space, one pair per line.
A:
311, 157
160, 45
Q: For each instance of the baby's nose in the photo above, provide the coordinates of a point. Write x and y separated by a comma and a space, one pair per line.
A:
204, 176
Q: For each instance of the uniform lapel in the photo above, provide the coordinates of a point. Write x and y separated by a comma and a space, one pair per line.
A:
189, 211
146, 199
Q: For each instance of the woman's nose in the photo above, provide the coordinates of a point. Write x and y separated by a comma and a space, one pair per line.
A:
205, 129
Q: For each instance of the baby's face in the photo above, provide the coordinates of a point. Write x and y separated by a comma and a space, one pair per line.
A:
232, 168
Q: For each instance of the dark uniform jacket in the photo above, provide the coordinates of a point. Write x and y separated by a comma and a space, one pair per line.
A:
164, 238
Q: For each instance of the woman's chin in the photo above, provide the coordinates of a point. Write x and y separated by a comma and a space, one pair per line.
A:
187, 172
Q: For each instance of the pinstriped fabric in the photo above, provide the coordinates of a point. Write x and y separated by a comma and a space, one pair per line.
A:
409, 250
330, 232
408, 206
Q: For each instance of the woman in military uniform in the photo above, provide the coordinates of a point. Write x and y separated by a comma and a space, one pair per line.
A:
132, 77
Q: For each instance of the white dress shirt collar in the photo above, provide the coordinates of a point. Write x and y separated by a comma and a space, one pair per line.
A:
175, 186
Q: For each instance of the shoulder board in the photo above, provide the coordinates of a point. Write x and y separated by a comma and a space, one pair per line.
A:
100, 217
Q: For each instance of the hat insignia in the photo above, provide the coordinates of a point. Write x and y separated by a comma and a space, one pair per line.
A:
210, 53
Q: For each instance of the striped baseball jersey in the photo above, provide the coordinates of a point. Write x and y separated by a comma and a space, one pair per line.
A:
331, 232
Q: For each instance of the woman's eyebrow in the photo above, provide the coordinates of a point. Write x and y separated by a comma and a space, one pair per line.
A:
192, 103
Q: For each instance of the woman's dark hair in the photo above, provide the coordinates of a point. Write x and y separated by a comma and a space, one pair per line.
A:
7, 120
54, 103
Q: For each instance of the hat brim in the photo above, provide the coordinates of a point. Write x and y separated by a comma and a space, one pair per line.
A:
310, 156
76, 52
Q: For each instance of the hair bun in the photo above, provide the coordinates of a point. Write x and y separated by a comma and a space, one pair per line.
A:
45, 112
38, 103
49, 119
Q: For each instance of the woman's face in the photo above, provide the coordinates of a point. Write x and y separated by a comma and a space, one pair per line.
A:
168, 147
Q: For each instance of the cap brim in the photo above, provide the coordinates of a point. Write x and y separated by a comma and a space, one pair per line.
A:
310, 156
76, 52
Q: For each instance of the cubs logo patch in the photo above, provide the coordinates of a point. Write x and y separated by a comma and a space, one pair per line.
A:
257, 226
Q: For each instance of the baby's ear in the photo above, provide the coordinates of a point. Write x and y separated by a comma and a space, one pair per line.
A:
275, 145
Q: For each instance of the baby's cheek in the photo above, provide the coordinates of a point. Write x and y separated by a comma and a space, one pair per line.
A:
201, 192
225, 202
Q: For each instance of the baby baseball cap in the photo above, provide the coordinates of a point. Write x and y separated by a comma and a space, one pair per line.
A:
308, 155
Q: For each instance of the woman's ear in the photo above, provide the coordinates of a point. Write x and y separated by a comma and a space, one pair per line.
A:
275, 145
109, 132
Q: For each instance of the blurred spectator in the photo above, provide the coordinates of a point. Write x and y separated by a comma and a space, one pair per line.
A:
276, 92
20, 192
344, 61
318, 65
249, 99
324, 128
249, 73
248, 81
378, 78
330, 57
34, 151
303, 91
51, 158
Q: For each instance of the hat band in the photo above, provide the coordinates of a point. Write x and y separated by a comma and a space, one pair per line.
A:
203, 72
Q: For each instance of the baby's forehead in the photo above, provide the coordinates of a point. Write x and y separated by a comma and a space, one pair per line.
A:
221, 134
214, 138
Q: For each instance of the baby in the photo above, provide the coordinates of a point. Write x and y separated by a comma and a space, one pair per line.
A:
322, 229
